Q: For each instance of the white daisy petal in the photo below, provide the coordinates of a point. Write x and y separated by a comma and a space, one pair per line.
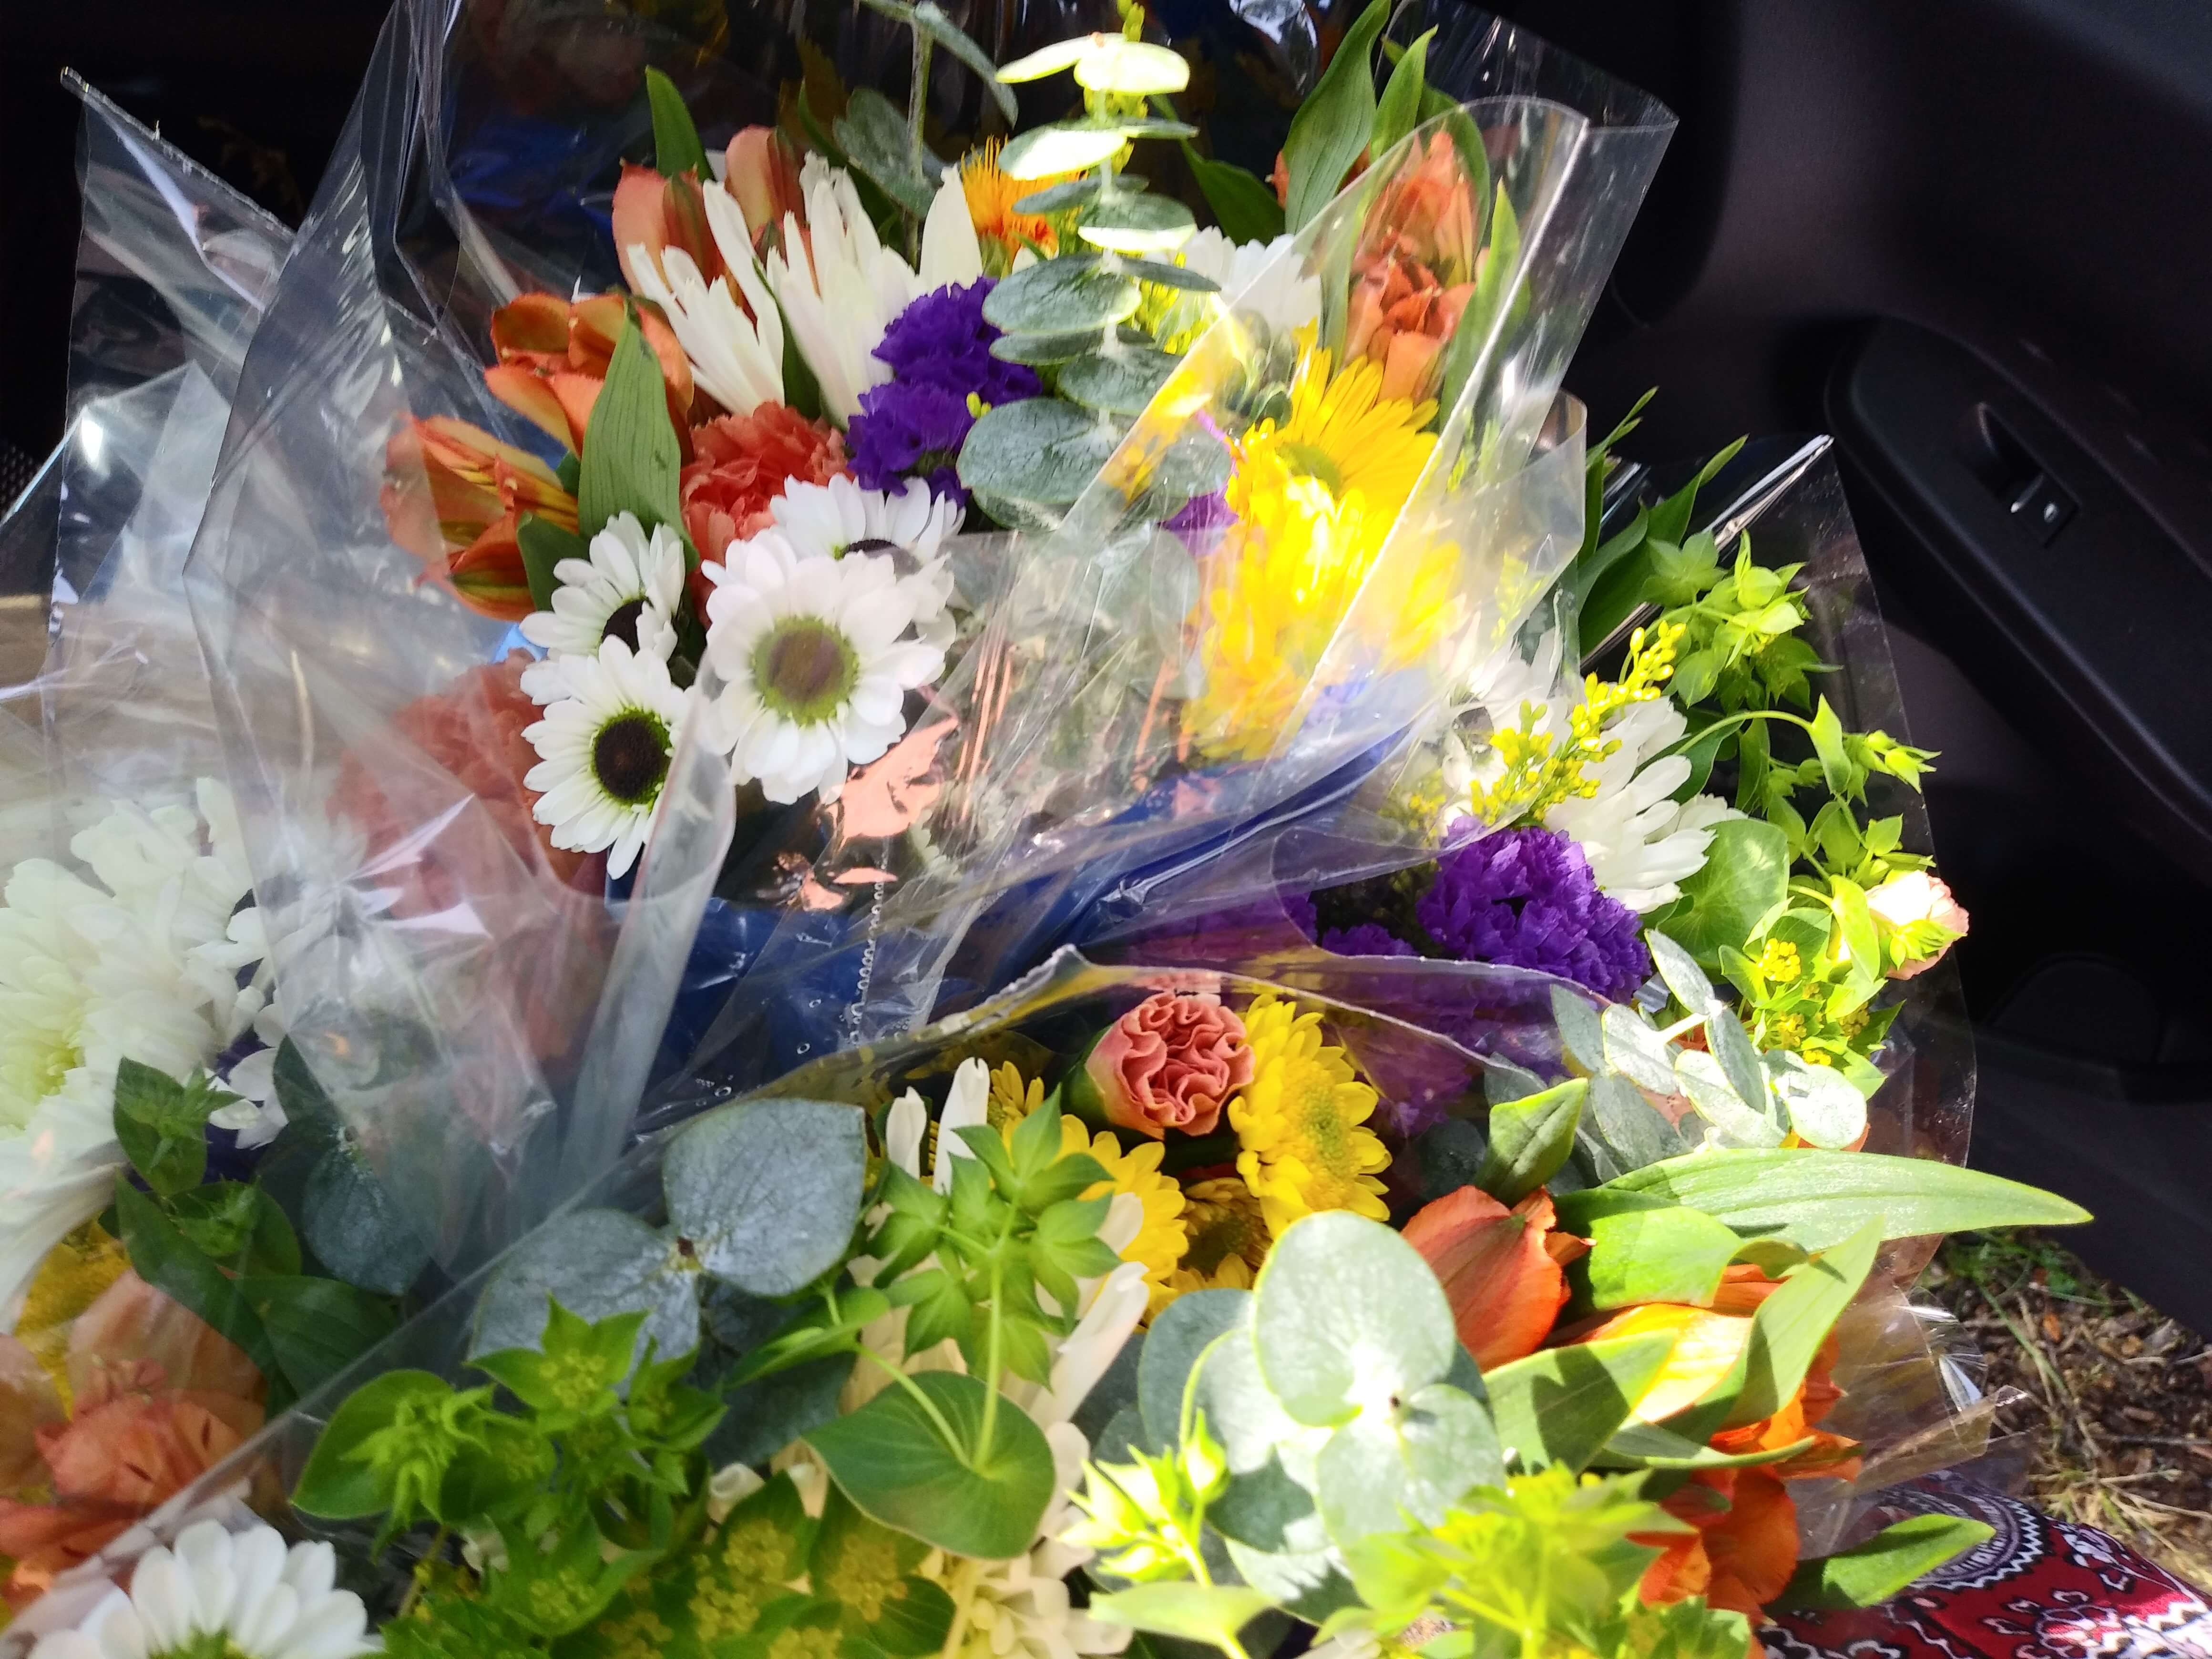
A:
631, 588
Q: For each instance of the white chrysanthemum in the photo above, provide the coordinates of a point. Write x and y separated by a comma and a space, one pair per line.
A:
736, 348
816, 659
629, 589
143, 962
1253, 281
222, 1596
606, 746
909, 526
1640, 842
841, 288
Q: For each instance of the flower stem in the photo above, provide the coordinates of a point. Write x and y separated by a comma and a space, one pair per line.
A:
928, 1407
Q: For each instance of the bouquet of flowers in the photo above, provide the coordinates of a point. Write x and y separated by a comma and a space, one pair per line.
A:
559, 1070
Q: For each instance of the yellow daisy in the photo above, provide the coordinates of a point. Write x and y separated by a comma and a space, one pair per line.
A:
1010, 1101
991, 197
1301, 1121
1162, 1238
1228, 1237
1316, 496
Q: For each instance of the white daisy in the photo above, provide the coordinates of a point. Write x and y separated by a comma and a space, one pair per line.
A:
606, 746
729, 328
141, 963
909, 527
841, 288
222, 1596
815, 658
629, 589
1254, 280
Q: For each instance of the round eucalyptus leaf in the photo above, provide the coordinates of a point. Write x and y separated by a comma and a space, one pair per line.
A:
1629, 1126
1041, 451
1139, 69
1137, 224
1060, 296
1310, 1584
767, 1193
1417, 1460
1240, 1408
1121, 384
596, 1264
1347, 1317
1046, 60
1824, 1109
1167, 275
1710, 1090
1636, 1051
1070, 193
1189, 1325
1039, 518
1044, 349
1062, 147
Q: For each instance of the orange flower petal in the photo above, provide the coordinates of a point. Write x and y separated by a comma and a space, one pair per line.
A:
1753, 1548
530, 395
1505, 1287
1707, 1345
535, 326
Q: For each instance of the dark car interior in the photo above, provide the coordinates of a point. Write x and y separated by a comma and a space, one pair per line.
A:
1970, 239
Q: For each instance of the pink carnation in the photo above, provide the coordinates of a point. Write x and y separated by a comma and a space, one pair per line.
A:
1169, 1063
1916, 896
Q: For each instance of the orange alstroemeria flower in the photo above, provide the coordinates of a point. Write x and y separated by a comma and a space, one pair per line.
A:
1743, 1551
553, 358
760, 173
479, 489
1500, 1269
1415, 270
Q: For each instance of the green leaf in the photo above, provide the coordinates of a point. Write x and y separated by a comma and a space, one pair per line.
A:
1184, 1331
874, 136
162, 1126
1636, 1051
1121, 384
1134, 69
1791, 1324
166, 1260
770, 1412
1885, 1565
1213, 1613
1040, 450
1680, 972
1745, 879
1416, 1459
1529, 1140
335, 1485
1674, 1255
675, 146
1670, 519
1263, 1507
1060, 296
631, 459
1133, 223
1075, 193
1816, 1199
596, 1264
1346, 1310
1044, 349
1244, 206
1335, 122
1836, 767
318, 1327
544, 545
1647, 1446
1400, 110
239, 1227
942, 30
1824, 1109
1732, 1046
1165, 276
1061, 147
972, 1498
1561, 1405
1581, 1037
1706, 1082
768, 1192
1631, 1129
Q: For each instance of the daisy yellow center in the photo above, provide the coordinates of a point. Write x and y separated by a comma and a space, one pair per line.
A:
35, 1060
629, 756
805, 669
621, 623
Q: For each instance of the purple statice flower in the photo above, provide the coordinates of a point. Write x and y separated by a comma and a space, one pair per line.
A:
1527, 897
1199, 515
909, 432
942, 340
1369, 938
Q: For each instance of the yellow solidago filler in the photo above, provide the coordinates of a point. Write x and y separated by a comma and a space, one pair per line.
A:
991, 197
1537, 776
1162, 1238
1301, 1121
1314, 498
1010, 1101
74, 1275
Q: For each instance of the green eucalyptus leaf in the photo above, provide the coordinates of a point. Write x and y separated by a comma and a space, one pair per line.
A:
1745, 879
1680, 969
1046, 60
873, 135
1563, 1405
1739, 1123
597, 1264
1581, 1037
1530, 1139
1884, 1567
1167, 275
1636, 1051
973, 1497
1824, 1108
675, 146
1137, 224
1731, 1045
1074, 193
1040, 450
767, 1193
1265, 1506
1244, 206
1121, 384
1346, 1310
1184, 1331
1416, 1459
631, 458
1309, 1585
1816, 1199
1061, 296
1136, 69
1630, 1127
1335, 123
1044, 349
770, 1412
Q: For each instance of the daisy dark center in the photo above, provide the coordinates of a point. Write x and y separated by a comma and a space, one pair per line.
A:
804, 669
621, 624
629, 757
902, 559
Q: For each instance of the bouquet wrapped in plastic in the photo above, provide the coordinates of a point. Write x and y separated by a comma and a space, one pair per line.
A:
857, 1359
